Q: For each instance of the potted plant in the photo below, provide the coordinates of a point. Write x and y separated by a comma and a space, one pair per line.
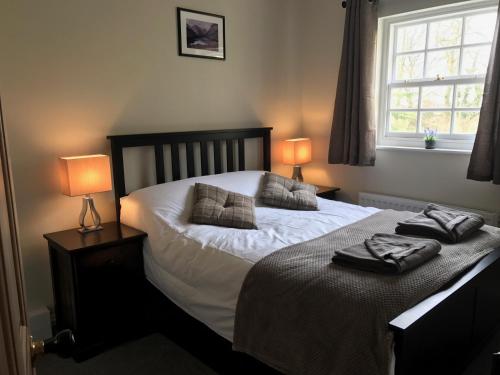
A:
430, 138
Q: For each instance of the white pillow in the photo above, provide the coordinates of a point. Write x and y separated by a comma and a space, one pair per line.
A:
173, 200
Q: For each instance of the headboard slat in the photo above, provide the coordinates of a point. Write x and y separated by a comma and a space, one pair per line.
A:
229, 155
160, 164
204, 158
217, 158
159, 140
241, 154
190, 159
176, 168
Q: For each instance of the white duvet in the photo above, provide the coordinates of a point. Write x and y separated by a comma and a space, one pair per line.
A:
200, 267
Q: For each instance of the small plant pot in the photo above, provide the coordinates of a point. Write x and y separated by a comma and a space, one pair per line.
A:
429, 145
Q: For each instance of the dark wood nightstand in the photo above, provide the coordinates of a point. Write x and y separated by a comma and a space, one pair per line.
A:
98, 280
327, 192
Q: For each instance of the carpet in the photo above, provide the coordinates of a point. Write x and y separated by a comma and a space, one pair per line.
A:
151, 355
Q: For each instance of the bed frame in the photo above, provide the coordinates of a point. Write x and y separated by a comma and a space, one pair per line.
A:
440, 335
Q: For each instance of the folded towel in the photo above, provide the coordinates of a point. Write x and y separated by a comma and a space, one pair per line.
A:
388, 253
442, 223
458, 224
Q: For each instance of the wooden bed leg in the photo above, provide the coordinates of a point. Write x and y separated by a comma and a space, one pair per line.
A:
495, 370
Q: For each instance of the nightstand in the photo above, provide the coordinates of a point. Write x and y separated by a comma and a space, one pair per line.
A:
327, 192
98, 280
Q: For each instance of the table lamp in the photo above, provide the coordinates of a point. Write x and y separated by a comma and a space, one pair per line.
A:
296, 152
84, 175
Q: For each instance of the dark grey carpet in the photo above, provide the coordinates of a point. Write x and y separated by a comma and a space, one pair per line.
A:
151, 355
156, 355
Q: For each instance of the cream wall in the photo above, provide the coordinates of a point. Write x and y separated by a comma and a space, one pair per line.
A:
72, 72
390, 7
428, 176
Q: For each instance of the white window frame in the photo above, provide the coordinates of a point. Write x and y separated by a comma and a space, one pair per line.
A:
386, 63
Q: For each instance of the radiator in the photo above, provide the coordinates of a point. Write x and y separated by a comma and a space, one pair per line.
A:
405, 204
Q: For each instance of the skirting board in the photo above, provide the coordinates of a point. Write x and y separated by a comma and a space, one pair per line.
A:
40, 323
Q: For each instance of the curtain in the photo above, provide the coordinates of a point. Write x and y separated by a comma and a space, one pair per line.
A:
485, 159
353, 135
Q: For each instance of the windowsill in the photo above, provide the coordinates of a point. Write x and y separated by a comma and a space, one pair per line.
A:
422, 149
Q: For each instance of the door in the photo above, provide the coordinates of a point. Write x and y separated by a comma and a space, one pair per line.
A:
15, 341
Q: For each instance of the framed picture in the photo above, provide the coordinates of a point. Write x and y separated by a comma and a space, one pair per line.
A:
201, 34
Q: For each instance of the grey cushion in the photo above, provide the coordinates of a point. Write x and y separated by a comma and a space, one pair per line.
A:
284, 192
216, 206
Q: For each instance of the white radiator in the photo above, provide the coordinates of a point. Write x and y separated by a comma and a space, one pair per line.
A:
404, 204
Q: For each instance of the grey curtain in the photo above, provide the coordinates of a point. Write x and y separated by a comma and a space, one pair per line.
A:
485, 159
353, 135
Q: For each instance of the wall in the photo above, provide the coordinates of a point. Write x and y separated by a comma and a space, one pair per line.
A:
428, 176
390, 7
73, 72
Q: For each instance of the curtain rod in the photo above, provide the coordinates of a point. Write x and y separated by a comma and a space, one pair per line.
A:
344, 3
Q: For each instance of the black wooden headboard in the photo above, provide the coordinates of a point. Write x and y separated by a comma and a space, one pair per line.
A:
232, 138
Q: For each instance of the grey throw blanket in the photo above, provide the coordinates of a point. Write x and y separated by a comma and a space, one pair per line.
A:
302, 314
442, 223
388, 253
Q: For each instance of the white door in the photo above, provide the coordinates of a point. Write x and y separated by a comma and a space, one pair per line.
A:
15, 342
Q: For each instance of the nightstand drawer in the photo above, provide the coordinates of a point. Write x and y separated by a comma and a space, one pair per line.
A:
127, 257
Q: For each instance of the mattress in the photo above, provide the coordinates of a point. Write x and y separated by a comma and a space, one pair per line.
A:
201, 268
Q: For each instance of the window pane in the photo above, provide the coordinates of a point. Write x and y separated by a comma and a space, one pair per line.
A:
409, 66
404, 98
475, 60
466, 122
469, 96
403, 122
480, 28
440, 121
444, 63
437, 96
445, 33
411, 38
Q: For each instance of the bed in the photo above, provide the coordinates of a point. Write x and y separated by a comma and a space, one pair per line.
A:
201, 272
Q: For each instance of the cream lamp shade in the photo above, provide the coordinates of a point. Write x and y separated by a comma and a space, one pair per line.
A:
82, 175
297, 151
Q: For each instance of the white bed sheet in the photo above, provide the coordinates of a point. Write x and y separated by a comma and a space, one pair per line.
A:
201, 268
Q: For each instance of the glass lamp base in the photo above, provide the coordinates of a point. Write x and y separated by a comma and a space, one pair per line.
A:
91, 228
297, 174
88, 206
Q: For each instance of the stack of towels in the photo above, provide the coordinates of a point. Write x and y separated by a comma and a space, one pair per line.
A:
395, 253
442, 223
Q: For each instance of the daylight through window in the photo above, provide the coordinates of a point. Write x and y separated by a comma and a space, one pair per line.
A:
436, 68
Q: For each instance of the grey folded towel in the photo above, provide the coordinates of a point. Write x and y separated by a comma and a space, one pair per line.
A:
442, 223
388, 253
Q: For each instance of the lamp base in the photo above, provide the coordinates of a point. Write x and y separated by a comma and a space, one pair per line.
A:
88, 203
91, 228
297, 174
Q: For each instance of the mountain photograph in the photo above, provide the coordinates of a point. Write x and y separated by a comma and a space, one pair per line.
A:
202, 35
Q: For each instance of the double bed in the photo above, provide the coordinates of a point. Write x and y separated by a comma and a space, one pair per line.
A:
201, 268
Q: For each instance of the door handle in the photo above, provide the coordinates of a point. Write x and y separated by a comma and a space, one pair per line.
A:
62, 344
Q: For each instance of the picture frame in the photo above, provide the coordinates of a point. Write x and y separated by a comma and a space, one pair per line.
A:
201, 34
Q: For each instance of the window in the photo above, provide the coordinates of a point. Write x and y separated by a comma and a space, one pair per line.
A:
433, 67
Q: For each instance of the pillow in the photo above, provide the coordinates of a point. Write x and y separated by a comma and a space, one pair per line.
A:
216, 206
284, 192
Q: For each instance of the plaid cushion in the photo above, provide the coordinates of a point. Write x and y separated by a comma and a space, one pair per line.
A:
216, 206
287, 193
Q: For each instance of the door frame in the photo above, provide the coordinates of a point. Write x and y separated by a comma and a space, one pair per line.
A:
15, 341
